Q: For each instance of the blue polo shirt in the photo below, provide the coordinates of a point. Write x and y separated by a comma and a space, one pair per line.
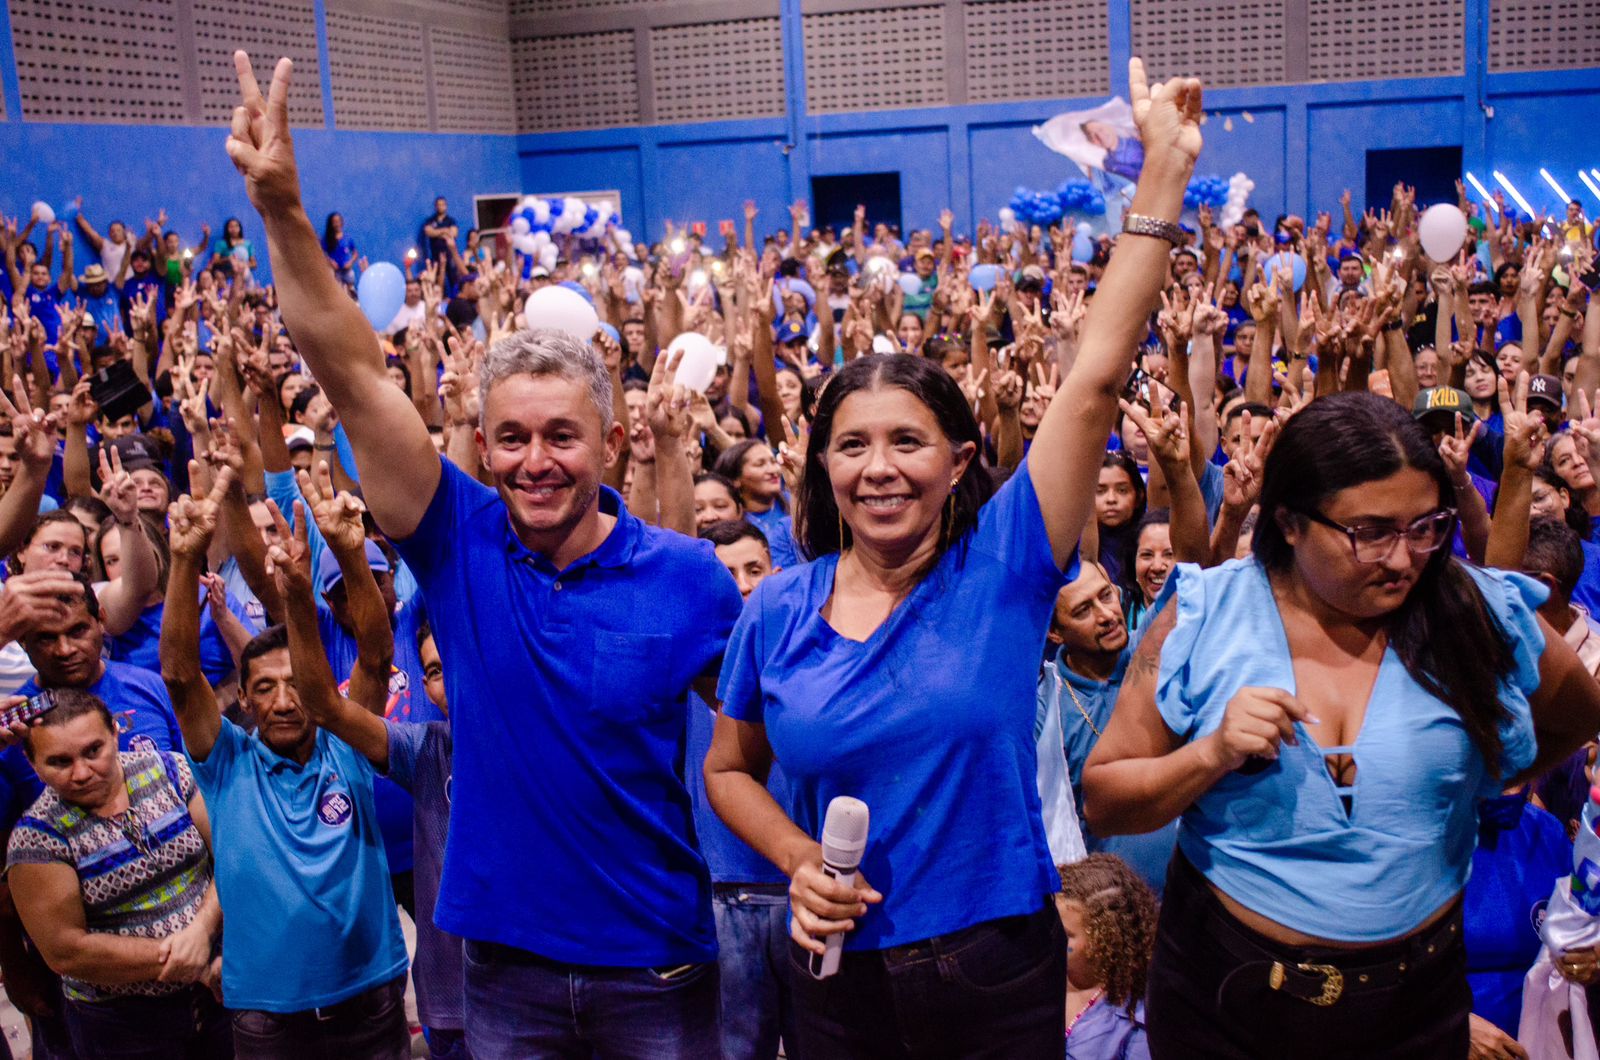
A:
105, 310
571, 833
300, 872
929, 721
141, 644
139, 704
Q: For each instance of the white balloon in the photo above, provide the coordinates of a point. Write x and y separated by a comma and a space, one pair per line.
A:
561, 309
1442, 229
1008, 217
539, 239
43, 212
541, 211
883, 344
1239, 188
877, 266
910, 283
548, 255
519, 225
523, 243
699, 364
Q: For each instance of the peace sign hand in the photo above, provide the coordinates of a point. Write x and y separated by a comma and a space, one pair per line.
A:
1524, 432
193, 520
35, 432
1166, 431
337, 514
259, 143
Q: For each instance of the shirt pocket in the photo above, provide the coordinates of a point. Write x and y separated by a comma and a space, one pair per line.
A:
632, 676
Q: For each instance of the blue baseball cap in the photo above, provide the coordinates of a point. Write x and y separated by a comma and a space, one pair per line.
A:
329, 574
791, 332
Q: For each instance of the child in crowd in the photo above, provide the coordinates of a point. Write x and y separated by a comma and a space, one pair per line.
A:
1109, 914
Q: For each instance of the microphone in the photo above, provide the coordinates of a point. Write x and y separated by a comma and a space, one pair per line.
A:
844, 837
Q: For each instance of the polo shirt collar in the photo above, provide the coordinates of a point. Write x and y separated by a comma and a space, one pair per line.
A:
615, 551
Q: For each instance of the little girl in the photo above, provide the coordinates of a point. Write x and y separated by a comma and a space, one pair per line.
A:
1109, 914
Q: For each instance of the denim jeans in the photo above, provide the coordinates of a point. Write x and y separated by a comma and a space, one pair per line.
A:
188, 1025
446, 1044
520, 1005
371, 1025
996, 990
753, 948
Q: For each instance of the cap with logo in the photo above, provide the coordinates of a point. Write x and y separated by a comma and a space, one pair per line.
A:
137, 452
1438, 406
329, 574
791, 332
1545, 390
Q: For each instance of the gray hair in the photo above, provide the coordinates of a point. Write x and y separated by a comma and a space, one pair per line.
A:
545, 351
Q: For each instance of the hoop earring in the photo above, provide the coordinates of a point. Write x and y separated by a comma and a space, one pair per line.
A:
947, 519
840, 513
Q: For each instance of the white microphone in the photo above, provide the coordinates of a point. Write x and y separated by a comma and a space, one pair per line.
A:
844, 837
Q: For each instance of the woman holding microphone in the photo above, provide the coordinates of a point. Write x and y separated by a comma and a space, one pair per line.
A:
899, 666
1325, 717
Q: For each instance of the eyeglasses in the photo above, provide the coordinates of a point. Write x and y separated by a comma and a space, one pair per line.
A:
1373, 544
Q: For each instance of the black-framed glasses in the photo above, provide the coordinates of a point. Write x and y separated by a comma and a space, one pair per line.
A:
1372, 544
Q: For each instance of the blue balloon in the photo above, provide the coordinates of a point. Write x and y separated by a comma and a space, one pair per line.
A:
574, 285
610, 331
1294, 261
556, 206
381, 292
983, 277
1082, 249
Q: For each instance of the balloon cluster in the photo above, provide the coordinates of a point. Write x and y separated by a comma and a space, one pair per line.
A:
536, 219
1205, 191
1045, 208
1238, 197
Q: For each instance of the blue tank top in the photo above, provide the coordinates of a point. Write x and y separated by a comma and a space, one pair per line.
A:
1279, 841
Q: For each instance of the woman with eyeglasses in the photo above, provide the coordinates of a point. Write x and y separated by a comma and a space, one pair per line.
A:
1325, 717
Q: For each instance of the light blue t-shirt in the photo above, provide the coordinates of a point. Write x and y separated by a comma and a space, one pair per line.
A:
1085, 707
309, 913
1279, 840
929, 721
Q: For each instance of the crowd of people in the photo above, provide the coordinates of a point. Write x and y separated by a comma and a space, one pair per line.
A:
1212, 649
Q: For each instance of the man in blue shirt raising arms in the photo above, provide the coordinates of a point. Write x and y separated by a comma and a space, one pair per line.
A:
313, 962
571, 633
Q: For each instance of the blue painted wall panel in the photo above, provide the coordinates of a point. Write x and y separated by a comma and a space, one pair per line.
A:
1554, 131
922, 157
1339, 137
709, 180
382, 182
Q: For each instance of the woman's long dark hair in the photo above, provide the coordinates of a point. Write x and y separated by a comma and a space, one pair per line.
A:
1127, 577
1443, 632
330, 241
817, 522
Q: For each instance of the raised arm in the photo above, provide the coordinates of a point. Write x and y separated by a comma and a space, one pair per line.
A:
338, 519
1064, 461
1513, 504
193, 522
35, 435
357, 726
328, 328
123, 600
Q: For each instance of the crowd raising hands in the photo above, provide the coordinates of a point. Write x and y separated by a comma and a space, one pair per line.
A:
1079, 582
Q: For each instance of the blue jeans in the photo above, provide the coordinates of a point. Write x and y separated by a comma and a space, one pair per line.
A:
520, 1005
371, 1025
446, 1044
995, 990
188, 1025
753, 946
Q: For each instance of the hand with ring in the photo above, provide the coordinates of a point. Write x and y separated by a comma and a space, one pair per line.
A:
1579, 966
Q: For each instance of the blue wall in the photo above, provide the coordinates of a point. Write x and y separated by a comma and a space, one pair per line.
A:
384, 183
1301, 144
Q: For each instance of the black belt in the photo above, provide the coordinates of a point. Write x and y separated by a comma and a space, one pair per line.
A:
1322, 975
359, 1005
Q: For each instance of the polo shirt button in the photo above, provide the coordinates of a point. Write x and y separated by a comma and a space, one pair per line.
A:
558, 587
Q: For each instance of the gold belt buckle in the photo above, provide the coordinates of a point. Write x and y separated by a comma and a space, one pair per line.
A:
1332, 981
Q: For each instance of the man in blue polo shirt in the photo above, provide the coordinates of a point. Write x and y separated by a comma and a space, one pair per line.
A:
571, 633
314, 962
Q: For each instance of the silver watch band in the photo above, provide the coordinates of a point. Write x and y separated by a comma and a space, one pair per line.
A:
1140, 225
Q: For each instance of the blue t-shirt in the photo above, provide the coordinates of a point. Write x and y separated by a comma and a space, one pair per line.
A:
419, 763
141, 644
929, 721
1587, 592
407, 702
730, 859
1279, 839
1085, 706
779, 528
309, 913
45, 305
1522, 851
568, 694
139, 704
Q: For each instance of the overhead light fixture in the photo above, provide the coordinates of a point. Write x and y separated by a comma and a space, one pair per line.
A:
1481, 190
1554, 186
1505, 183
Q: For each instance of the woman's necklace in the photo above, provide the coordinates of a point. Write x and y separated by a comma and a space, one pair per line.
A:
1077, 703
1084, 1009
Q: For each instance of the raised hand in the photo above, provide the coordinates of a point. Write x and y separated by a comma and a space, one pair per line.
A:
337, 514
289, 558
259, 142
667, 401
1168, 116
1008, 389
116, 487
1524, 433
1453, 448
1166, 431
193, 521
1242, 477
34, 431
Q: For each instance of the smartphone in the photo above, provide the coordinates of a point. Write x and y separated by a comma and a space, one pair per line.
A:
25, 712
1591, 279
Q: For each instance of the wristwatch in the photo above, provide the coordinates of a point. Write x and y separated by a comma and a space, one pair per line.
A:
1137, 224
